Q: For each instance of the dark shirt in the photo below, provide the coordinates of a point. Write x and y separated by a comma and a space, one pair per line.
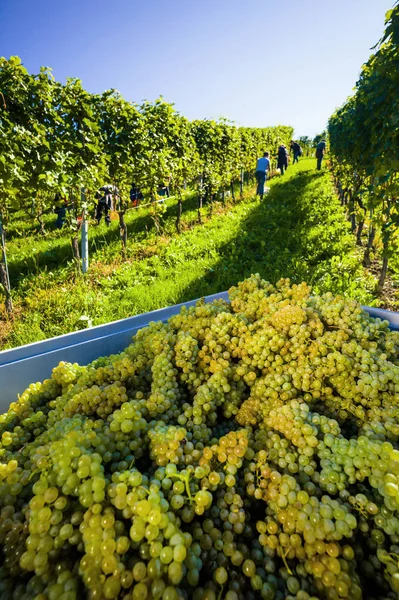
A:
135, 194
320, 148
282, 156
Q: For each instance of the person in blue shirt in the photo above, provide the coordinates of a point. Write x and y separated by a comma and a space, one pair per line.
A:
262, 168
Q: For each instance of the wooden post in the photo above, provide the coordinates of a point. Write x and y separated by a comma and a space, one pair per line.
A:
233, 196
383, 273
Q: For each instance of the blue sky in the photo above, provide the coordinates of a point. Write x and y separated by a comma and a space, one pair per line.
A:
256, 62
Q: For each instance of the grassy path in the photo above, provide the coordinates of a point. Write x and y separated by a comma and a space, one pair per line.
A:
298, 231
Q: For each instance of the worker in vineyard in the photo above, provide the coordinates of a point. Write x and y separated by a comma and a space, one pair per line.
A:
105, 196
262, 168
60, 209
164, 189
320, 150
282, 158
296, 150
136, 195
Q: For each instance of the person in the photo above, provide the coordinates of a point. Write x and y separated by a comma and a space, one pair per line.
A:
60, 209
320, 150
105, 196
135, 195
262, 168
282, 158
163, 189
297, 150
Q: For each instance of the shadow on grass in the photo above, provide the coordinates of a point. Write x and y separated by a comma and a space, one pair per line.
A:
283, 236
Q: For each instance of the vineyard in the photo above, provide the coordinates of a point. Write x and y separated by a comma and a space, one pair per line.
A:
59, 139
245, 448
299, 229
365, 148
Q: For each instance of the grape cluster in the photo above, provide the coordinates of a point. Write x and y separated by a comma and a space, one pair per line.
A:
167, 443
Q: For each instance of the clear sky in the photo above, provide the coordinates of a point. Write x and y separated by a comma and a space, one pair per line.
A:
256, 62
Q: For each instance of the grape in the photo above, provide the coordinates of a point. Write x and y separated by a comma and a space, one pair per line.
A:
220, 575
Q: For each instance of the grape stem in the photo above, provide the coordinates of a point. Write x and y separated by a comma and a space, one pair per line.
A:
283, 556
186, 479
33, 473
393, 557
360, 508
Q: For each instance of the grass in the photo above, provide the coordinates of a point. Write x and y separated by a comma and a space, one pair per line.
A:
298, 231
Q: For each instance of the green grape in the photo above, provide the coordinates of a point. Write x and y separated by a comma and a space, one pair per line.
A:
220, 575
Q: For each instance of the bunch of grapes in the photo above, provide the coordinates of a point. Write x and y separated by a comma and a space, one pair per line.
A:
167, 444
96, 400
67, 374
229, 452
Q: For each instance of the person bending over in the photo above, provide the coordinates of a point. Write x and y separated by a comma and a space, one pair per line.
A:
104, 196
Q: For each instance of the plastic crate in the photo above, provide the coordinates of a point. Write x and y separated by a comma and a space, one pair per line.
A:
19, 367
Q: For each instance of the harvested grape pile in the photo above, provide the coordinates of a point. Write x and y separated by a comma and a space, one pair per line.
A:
240, 451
